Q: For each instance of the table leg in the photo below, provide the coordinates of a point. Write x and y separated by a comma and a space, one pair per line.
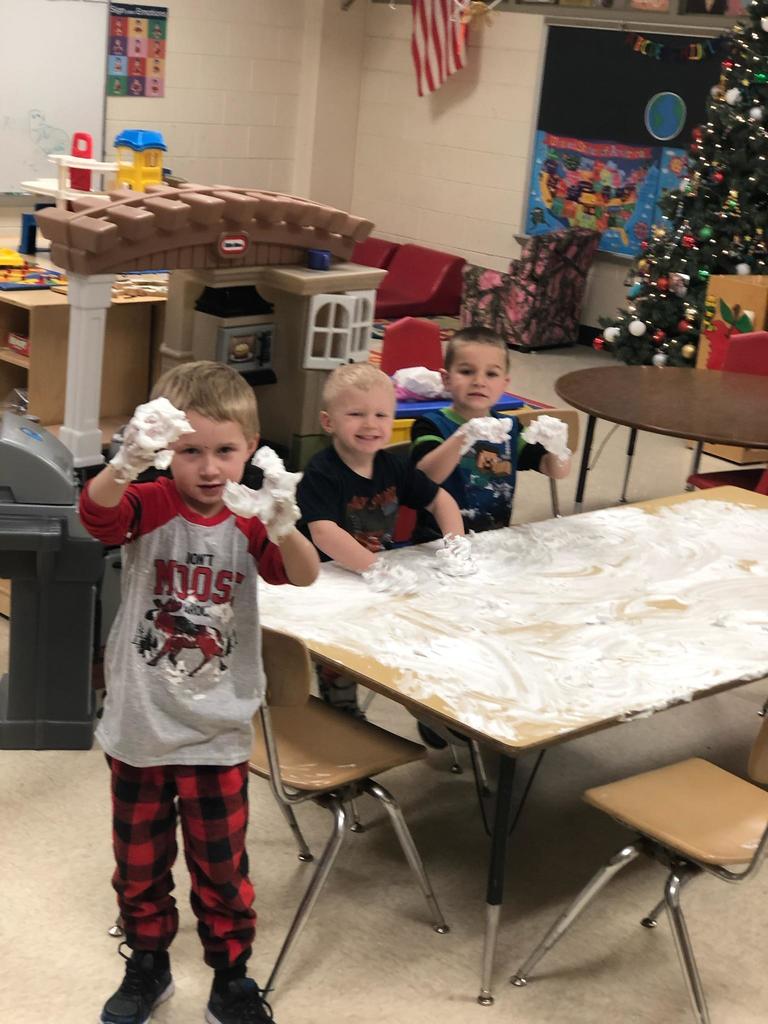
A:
695, 463
630, 454
495, 888
584, 468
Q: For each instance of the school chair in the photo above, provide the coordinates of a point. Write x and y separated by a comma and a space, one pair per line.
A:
411, 342
311, 751
571, 419
746, 353
692, 817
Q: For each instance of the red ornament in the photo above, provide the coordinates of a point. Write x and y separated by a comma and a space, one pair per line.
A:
688, 241
598, 343
683, 327
696, 134
718, 177
644, 245
727, 64
663, 283
658, 336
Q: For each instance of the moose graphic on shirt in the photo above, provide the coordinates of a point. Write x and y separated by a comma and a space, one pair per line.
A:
181, 633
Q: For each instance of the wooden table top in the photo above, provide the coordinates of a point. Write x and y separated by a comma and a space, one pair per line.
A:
702, 405
493, 626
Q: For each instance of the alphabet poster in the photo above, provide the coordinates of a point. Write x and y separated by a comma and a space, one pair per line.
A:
137, 46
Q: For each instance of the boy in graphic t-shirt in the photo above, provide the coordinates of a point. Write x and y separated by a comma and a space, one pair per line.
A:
351, 491
184, 679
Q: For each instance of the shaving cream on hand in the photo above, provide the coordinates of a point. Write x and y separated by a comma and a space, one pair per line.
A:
551, 433
152, 428
484, 428
454, 558
275, 503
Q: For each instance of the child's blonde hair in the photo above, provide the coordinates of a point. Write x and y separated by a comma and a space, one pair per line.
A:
363, 376
474, 336
213, 390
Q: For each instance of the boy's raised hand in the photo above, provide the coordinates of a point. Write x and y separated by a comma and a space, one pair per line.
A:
153, 427
275, 503
484, 428
551, 433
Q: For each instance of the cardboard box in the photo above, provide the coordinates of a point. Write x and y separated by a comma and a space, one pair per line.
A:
735, 304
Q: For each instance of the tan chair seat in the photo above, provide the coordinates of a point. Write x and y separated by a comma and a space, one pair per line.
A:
693, 806
320, 748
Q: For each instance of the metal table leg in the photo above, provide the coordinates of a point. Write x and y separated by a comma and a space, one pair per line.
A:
495, 888
584, 468
695, 463
630, 453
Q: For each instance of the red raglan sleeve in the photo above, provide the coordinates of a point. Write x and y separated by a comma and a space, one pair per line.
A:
267, 555
142, 508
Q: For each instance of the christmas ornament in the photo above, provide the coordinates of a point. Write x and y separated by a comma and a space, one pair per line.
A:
658, 336
717, 177
727, 64
663, 283
743, 268
598, 343
732, 97
688, 241
659, 359
688, 351
703, 274
637, 328
761, 77
610, 334
756, 113
764, 24
705, 233
635, 290
683, 327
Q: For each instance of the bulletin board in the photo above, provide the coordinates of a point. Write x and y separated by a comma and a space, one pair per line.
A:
53, 57
612, 132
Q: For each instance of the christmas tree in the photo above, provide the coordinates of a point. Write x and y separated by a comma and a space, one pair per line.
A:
715, 222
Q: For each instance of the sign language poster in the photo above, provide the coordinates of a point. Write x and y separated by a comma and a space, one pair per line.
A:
137, 45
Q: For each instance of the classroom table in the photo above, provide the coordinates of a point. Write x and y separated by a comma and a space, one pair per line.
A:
566, 589
705, 406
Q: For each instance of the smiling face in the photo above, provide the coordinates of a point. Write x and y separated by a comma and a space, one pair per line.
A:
204, 460
360, 422
477, 378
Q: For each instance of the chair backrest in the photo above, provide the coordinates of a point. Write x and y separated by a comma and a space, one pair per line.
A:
758, 758
747, 353
411, 342
405, 523
569, 416
287, 667
375, 252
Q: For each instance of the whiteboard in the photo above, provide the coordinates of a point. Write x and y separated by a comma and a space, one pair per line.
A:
53, 59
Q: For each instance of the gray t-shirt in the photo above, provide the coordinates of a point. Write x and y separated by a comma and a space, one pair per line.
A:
183, 660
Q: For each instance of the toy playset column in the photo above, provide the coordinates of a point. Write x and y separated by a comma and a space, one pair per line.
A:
89, 299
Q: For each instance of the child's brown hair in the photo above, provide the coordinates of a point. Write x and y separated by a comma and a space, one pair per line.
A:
213, 390
474, 336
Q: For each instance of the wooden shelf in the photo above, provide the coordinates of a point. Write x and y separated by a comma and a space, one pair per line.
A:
7, 355
5, 598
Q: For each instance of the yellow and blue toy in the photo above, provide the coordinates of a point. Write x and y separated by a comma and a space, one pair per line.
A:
139, 158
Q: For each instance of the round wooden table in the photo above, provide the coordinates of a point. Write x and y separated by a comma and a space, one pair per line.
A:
702, 405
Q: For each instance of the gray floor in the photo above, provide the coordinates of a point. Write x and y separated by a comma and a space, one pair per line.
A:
368, 954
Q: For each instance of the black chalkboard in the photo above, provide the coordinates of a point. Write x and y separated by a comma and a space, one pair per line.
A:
595, 86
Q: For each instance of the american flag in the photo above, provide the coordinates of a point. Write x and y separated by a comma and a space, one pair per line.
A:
438, 42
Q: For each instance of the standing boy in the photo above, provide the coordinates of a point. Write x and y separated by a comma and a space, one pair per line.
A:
351, 491
479, 474
184, 679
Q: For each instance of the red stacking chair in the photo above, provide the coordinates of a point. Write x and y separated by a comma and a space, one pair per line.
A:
746, 353
411, 342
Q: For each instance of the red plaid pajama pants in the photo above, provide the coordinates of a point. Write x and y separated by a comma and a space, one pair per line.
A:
212, 803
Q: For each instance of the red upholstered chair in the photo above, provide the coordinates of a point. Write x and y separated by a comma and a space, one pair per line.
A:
375, 252
411, 342
420, 282
746, 353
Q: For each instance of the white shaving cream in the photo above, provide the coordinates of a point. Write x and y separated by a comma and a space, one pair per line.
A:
565, 622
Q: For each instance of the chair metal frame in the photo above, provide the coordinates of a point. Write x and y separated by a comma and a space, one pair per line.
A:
682, 869
334, 800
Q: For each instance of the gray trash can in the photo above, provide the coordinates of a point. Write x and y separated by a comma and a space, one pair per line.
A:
45, 698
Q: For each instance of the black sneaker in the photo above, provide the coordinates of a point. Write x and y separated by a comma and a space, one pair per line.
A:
242, 1003
144, 987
